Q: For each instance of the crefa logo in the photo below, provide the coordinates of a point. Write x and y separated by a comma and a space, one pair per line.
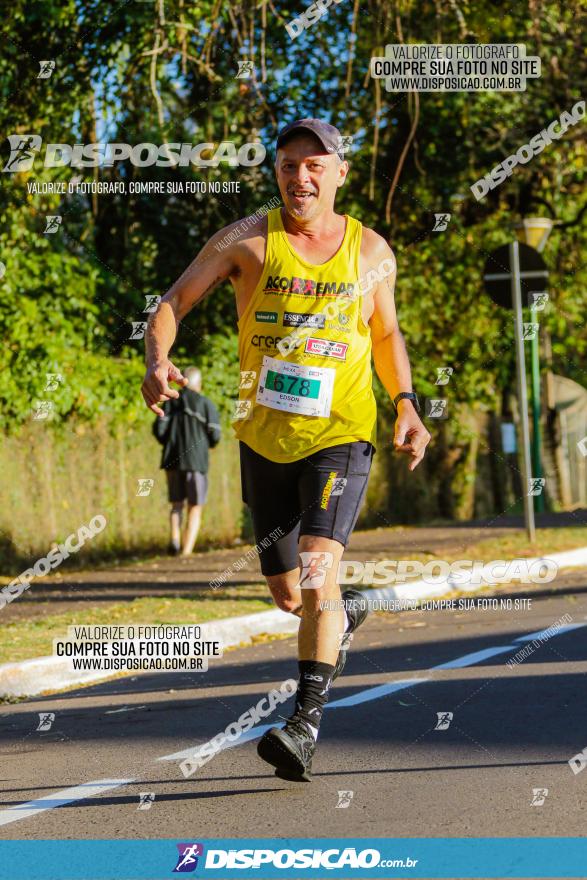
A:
187, 860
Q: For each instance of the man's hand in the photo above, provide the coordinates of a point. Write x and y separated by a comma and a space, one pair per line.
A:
155, 387
411, 436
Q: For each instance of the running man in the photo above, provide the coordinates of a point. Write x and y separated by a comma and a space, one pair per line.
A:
306, 412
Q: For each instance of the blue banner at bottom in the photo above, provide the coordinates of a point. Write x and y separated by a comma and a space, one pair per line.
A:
222, 859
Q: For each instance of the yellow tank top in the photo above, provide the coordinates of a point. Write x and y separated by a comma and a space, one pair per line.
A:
305, 352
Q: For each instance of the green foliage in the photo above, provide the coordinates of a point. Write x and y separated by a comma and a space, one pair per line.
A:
67, 300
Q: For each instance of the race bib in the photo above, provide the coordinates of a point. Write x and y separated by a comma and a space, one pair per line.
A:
296, 388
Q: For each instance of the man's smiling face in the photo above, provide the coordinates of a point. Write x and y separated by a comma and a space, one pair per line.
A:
308, 176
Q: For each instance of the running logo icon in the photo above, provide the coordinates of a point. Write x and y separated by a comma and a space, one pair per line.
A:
42, 409
46, 69
443, 375
344, 143
242, 409
444, 719
187, 860
314, 565
539, 795
138, 329
46, 720
146, 800
441, 222
247, 378
22, 151
53, 222
437, 408
245, 70
344, 799
539, 301
53, 381
152, 300
536, 485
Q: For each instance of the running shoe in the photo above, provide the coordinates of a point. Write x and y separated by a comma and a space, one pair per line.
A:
356, 610
289, 750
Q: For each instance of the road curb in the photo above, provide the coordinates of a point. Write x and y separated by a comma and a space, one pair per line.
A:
32, 677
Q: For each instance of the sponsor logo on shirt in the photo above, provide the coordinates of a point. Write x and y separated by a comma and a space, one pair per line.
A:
266, 317
262, 341
294, 319
326, 348
341, 323
279, 284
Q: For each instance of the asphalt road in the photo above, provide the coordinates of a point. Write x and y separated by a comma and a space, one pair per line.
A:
513, 731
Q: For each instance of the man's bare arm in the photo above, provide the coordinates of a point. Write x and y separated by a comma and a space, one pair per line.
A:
392, 363
207, 271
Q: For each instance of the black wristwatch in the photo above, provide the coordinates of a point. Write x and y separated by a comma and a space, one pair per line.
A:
407, 395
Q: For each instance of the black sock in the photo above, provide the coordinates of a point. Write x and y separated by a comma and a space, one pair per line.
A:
312, 695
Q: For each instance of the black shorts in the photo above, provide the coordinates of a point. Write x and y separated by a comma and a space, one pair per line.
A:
192, 485
318, 495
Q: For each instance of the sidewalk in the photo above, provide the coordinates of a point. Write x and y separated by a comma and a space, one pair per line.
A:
184, 578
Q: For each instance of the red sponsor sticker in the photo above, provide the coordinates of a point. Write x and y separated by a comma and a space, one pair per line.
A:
326, 348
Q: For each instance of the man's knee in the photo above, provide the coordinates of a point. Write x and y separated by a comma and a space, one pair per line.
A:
284, 589
287, 603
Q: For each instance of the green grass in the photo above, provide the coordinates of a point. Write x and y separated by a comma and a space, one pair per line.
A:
24, 639
516, 544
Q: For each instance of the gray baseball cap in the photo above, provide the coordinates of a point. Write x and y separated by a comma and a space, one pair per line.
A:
327, 134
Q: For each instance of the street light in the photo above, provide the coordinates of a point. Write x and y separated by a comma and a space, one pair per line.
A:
534, 231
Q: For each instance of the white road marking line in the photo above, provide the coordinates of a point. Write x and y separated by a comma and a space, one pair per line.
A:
124, 709
475, 657
365, 696
375, 693
67, 796
253, 733
544, 633
89, 789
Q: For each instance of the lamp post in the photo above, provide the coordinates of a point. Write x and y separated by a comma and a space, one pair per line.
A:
534, 231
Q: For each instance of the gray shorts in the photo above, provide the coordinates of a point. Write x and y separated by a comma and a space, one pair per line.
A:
192, 485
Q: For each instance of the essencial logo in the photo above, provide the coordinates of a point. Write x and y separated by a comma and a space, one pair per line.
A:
187, 860
295, 319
